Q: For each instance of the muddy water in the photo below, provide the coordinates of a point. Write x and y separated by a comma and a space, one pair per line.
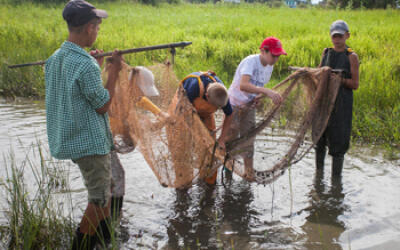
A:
301, 210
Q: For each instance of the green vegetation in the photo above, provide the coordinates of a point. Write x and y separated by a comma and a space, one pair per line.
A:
222, 35
36, 220
38, 205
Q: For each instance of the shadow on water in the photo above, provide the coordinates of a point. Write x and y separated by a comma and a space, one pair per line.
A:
192, 222
322, 225
206, 217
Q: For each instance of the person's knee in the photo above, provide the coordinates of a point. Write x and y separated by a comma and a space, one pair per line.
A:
100, 193
336, 154
249, 150
320, 148
96, 171
99, 202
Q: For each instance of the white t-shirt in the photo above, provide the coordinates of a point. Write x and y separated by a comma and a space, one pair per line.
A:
259, 76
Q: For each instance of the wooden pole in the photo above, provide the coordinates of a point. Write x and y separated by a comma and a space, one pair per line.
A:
172, 46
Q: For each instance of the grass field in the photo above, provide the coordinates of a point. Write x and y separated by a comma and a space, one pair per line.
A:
222, 35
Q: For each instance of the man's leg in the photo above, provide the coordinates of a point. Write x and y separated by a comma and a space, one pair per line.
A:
92, 217
212, 180
118, 186
232, 133
209, 121
337, 166
247, 123
90, 231
320, 152
96, 172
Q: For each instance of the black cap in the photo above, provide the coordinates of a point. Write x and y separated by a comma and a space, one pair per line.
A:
79, 12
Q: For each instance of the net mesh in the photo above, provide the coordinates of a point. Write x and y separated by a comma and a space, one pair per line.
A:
285, 133
180, 150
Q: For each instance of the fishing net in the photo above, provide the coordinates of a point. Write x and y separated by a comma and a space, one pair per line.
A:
180, 150
285, 133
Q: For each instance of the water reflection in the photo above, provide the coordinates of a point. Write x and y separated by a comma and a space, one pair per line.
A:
237, 215
207, 217
364, 211
323, 225
193, 222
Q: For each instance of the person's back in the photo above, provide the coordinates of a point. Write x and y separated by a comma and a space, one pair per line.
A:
73, 93
207, 93
200, 88
77, 122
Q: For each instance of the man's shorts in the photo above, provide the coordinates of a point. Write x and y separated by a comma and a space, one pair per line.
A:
244, 119
96, 173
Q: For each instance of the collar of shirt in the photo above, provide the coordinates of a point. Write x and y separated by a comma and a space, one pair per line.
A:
261, 65
67, 45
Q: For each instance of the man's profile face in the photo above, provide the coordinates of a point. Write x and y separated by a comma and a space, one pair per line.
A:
268, 57
92, 31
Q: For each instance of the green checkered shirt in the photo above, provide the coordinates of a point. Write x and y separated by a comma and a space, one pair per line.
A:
74, 91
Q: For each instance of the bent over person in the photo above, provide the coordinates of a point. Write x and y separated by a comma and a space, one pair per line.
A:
77, 121
207, 94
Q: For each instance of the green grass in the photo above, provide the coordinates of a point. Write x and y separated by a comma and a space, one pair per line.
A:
222, 35
39, 207
36, 220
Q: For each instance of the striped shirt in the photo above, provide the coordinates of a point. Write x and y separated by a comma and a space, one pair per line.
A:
74, 91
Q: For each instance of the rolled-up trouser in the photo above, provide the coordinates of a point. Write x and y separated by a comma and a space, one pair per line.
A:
96, 173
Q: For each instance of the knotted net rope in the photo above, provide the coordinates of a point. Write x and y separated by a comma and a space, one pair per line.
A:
180, 150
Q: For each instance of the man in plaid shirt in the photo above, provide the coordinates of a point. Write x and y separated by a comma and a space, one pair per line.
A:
77, 120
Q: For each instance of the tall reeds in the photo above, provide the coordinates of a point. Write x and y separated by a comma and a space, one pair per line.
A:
38, 205
36, 219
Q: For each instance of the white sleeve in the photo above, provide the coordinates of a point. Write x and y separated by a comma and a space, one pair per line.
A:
247, 67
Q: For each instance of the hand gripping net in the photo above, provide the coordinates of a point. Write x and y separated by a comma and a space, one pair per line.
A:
180, 149
286, 132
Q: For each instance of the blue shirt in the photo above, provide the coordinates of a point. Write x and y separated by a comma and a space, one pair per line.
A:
74, 91
192, 89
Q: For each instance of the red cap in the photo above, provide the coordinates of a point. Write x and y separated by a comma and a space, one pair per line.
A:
274, 45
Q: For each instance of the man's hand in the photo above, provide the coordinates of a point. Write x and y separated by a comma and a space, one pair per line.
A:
115, 62
113, 71
99, 60
275, 96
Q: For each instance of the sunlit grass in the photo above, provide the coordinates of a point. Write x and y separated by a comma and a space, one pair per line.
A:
222, 35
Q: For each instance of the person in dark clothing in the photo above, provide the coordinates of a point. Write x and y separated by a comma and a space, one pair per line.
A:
337, 134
